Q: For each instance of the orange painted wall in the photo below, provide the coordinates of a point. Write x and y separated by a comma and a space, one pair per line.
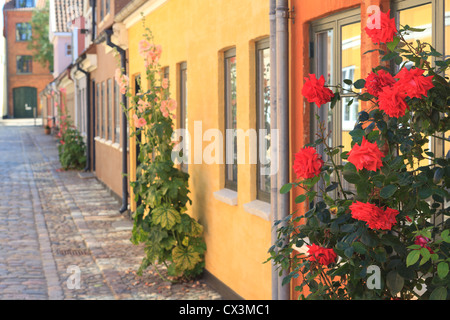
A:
306, 12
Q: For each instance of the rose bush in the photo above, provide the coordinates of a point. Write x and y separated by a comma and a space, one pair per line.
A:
383, 205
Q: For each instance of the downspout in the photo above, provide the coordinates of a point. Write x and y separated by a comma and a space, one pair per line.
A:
274, 146
123, 61
94, 18
88, 117
282, 58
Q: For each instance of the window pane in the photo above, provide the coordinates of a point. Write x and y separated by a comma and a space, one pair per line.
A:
109, 104
23, 31
97, 99
24, 3
24, 64
419, 17
263, 124
447, 54
324, 65
230, 119
117, 112
351, 70
102, 106
184, 114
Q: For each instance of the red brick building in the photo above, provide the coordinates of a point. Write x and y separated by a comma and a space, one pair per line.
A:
25, 78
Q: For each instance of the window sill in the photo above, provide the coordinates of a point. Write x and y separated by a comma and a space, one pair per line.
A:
258, 208
226, 196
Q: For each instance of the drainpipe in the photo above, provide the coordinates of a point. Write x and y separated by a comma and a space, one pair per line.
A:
88, 117
282, 58
123, 60
273, 147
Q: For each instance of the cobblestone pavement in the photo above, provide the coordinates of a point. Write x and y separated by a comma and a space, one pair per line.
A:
57, 227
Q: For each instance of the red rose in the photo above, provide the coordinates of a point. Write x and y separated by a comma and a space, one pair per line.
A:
392, 102
375, 217
413, 83
376, 81
324, 256
307, 163
314, 90
367, 156
384, 31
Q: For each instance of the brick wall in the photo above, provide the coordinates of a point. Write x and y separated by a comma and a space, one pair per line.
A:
40, 75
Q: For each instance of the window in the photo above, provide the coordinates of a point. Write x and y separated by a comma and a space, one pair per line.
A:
183, 114
107, 6
337, 56
24, 3
434, 17
23, 31
117, 112
97, 98
104, 111
263, 118
79, 110
68, 49
102, 10
109, 104
166, 73
230, 120
24, 64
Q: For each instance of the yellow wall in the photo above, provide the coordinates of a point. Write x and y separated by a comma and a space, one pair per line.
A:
197, 32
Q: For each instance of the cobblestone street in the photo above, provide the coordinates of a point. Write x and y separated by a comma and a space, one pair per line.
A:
55, 222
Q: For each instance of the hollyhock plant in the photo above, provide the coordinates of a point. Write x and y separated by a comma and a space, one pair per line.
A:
314, 90
160, 187
139, 122
308, 163
370, 218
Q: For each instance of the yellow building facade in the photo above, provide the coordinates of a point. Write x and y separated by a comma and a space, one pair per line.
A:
195, 36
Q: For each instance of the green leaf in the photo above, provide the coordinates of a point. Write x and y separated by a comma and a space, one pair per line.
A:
300, 198
166, 216
351, 177
445, 235
185, 258
359, 247
442, 269
412, 257
388, 191
425, 193
426, 255
393, 44
389, 56
440, 293
286, 188
359, 84
394, 282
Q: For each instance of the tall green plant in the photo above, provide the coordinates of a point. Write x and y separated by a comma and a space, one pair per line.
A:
386, 236
40, 43
170, 235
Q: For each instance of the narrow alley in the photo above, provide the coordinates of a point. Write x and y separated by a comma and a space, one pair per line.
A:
61, 235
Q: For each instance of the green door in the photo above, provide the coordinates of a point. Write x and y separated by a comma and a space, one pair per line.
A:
25, 101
